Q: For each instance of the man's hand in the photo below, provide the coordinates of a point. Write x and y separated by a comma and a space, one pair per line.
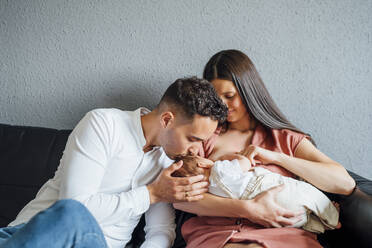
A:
166, 188
265, 211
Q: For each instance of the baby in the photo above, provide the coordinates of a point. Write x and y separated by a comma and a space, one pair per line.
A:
236, 178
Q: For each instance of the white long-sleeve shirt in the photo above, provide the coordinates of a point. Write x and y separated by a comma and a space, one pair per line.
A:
103, 166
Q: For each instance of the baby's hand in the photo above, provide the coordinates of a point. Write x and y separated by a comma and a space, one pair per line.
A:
244, 162
188, 170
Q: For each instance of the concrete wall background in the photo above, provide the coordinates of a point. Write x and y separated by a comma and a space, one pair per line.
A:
60, 59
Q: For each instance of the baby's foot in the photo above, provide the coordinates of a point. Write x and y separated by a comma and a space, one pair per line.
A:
337, 206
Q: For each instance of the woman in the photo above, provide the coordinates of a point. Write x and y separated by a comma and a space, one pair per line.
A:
256, 127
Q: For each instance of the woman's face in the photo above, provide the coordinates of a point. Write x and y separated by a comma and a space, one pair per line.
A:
230, 96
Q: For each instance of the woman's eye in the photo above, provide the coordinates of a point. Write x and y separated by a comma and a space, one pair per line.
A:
229, 96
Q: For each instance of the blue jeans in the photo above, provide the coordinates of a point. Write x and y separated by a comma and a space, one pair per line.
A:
67, 223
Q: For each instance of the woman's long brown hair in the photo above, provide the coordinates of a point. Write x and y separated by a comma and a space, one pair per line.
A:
235, 66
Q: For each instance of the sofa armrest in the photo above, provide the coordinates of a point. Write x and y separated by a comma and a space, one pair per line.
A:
362, 183
356, 217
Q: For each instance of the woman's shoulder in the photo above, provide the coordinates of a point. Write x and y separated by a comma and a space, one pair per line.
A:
287, 132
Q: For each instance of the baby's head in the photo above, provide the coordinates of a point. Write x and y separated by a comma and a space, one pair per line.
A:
190, 166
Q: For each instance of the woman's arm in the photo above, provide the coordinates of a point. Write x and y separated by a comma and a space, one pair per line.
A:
310, 164
315, 167
203, 207
261, 210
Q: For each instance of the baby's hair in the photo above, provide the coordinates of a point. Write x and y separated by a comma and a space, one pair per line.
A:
186, 160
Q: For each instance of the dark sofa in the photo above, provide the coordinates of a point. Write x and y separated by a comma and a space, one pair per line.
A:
29, 156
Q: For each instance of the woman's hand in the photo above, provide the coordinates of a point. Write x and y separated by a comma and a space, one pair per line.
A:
260, 155
265, 211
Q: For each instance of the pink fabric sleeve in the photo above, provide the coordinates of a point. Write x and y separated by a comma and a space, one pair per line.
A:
293, 138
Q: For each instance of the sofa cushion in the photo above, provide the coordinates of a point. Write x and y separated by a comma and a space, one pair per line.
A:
29, 156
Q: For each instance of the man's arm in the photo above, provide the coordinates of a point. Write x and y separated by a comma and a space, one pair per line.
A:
160, 226
83, 166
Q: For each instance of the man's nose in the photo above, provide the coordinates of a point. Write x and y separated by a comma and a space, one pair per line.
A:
193, 151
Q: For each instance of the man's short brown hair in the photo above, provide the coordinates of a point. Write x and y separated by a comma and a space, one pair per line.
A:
195, 96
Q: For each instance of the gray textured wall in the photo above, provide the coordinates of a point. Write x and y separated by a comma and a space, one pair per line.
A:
59, 59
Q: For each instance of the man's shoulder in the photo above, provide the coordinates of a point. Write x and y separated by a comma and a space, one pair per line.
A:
116, 120
110, 120
107, 112
111, 114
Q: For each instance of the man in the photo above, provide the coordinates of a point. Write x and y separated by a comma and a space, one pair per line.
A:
115, 165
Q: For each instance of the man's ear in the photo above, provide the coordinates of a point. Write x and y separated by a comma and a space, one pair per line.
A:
166, 119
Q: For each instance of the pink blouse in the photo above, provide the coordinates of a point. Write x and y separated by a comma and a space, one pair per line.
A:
204, 231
